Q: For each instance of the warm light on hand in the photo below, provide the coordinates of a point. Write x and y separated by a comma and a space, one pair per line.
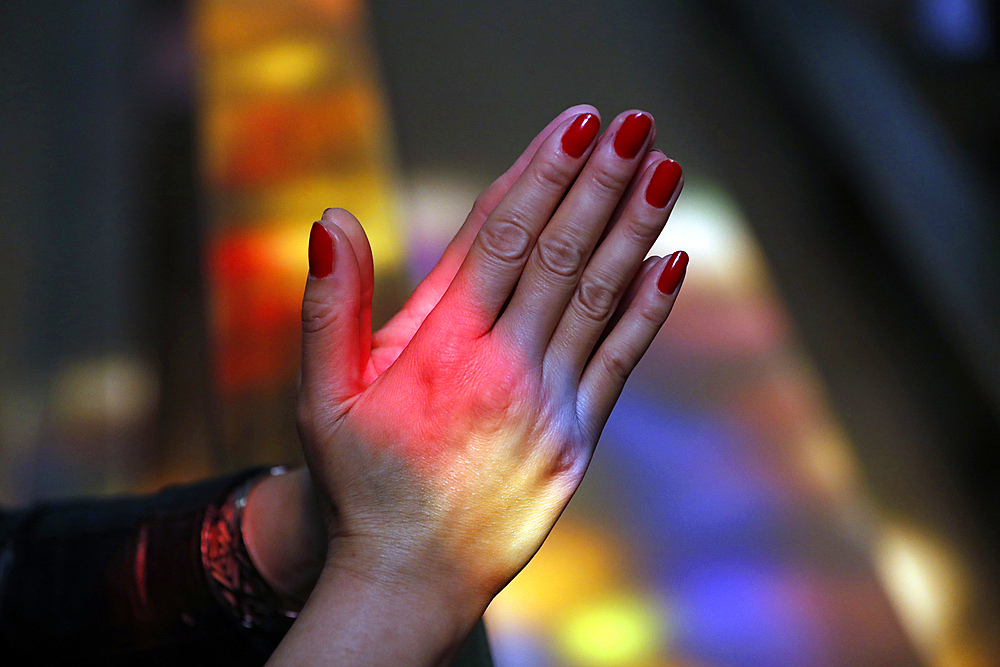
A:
449, 442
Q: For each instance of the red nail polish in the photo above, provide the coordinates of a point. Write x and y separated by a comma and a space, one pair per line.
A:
663, 183
320, 251
579, 135
673, 272
632, 135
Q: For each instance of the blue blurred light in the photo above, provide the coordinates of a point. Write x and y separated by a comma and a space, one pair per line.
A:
514, 649
688, 475
955, 29
741, 613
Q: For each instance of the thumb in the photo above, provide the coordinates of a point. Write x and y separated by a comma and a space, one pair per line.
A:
331, 336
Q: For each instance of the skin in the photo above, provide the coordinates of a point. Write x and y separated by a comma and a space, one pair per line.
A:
285, 533
443, 448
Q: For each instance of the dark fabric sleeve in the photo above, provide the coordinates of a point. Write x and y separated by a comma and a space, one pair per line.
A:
120, 582
117, 581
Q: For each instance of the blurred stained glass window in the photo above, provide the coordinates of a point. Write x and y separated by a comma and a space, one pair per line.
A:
292, 121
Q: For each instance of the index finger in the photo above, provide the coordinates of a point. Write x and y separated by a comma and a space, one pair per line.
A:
429, 292
498, 254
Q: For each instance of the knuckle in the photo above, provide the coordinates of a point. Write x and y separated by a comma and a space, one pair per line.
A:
317, 315
617, 365
553, 176
649, 314
480, 208
565, 460
493, 398
641, 232
609, 182
506, 238
560, 254
595, 298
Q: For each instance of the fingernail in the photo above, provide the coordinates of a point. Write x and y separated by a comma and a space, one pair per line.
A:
673, 272
320, 251
580, 134
663, 183
632, 135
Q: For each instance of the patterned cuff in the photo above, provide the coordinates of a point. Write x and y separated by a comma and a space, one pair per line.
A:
231, 573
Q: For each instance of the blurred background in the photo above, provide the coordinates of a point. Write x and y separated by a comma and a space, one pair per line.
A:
804, 470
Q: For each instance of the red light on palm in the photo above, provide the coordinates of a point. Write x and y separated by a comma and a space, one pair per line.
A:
450, 441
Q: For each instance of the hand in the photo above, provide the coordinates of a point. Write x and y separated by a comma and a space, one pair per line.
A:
450, 443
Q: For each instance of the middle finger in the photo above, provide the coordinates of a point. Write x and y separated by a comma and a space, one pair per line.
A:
564, 246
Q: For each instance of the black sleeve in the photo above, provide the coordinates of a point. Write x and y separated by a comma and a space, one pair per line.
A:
118, 581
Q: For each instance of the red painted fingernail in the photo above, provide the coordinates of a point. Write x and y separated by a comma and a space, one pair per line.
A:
579, 135
673, 272
663, 183
632, 135
320, 251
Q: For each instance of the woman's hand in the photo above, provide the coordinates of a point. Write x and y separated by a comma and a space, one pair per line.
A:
448, 443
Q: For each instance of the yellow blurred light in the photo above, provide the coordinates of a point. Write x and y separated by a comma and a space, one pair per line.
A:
287, 248
223, 25
577, 563
370, 196
282, 67
828, 461
116, 391
338, 11
616, 631
927, 584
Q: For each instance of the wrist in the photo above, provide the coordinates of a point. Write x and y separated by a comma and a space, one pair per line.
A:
391, 620
401, 563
